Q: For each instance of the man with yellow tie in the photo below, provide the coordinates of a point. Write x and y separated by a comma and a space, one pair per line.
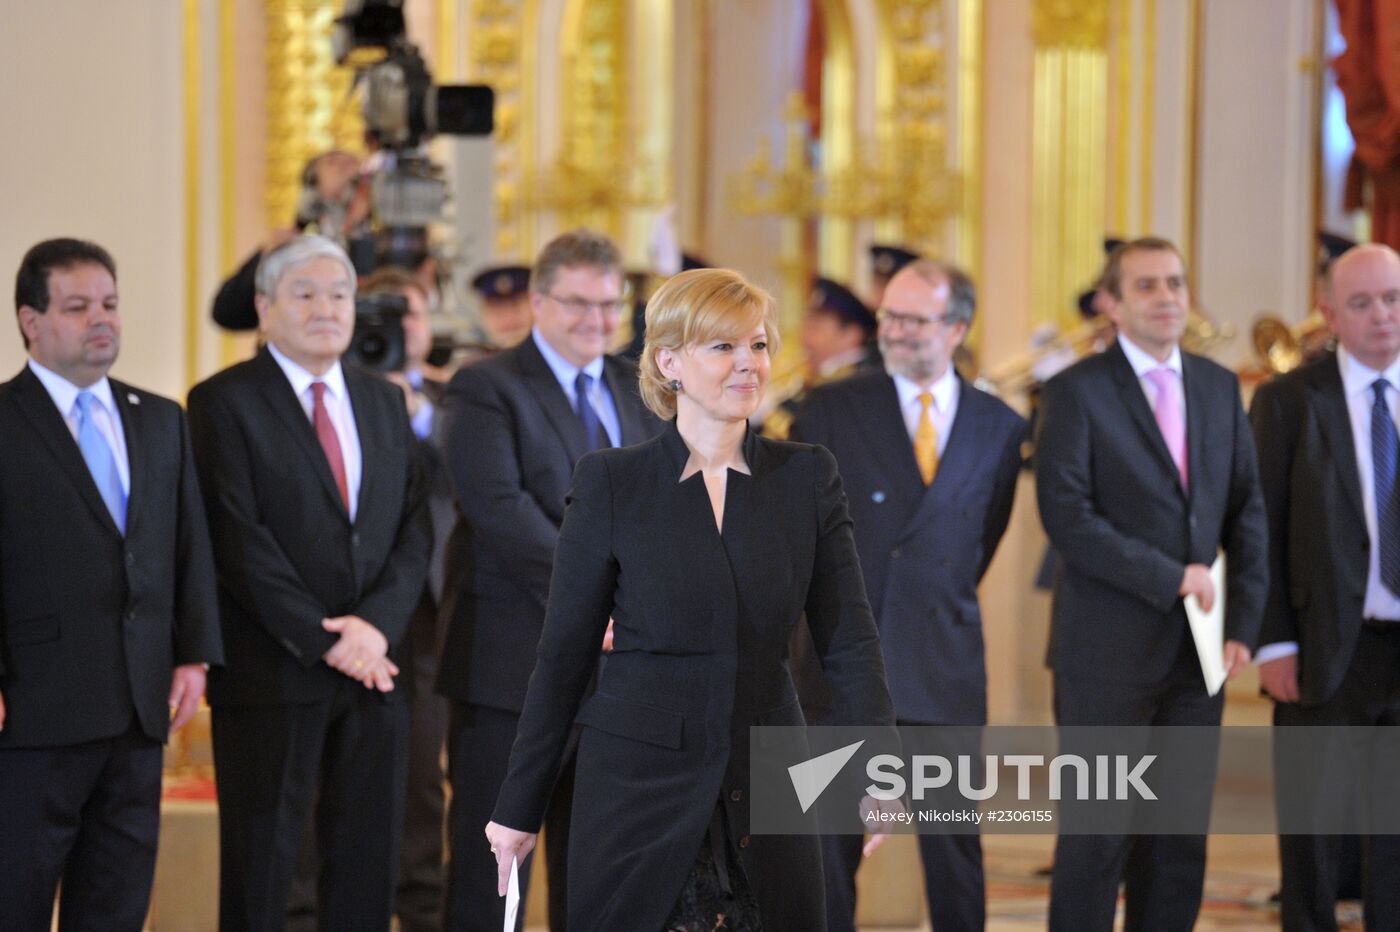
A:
930, 466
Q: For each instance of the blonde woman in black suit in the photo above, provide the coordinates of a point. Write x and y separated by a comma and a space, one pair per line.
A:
704, 545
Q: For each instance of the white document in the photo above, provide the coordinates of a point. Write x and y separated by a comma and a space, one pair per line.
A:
512, 896
1208, 629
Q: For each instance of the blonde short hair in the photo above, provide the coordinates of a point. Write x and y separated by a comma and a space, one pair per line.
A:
695, 307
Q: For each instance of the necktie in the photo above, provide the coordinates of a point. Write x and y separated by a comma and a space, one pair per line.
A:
926, 440
330, 440
1169, 418
1385, 451
593, 430
101, 461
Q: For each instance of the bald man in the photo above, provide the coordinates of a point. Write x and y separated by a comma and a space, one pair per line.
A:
1327, 441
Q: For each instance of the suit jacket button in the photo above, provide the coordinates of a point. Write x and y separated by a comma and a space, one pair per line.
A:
894, 552
131, 614
355, 539
736, 795
877, 497
130, 558
744, 842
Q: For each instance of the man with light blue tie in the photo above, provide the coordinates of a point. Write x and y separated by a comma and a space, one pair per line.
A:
514, 426
108, 618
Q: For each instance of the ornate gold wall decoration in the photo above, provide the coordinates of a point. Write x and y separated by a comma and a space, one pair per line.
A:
902, 178
1069, 154
307, 106
496, 31
969, 222
925, 189
1070, 24
596, 173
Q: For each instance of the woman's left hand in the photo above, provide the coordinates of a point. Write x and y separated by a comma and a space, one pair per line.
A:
507, 844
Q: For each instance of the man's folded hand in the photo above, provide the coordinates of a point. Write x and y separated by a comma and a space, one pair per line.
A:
361, 652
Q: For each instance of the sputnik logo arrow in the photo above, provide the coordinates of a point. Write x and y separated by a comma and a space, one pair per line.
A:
811, 777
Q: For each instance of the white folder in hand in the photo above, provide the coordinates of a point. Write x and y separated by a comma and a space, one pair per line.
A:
512, 896
1208, 629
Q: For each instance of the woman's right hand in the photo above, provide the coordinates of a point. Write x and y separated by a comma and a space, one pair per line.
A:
507, 844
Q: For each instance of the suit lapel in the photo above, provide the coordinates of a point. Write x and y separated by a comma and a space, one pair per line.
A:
1198, 410
133, 428
371, 432
33, 399
1135, 403
883, 423
277, 393
629, 415
1327, 396
540, 380
737, 543
967, 439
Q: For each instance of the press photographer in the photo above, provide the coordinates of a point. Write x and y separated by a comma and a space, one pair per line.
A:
380, 208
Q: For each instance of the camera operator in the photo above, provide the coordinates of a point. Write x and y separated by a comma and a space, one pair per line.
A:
329, 202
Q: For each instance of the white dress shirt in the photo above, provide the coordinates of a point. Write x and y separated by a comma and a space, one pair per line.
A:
1143, 362
1380, 602
942, 412
104, 413
337, 401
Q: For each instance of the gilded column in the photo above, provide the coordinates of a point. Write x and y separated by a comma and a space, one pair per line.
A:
1069, 153
307, 106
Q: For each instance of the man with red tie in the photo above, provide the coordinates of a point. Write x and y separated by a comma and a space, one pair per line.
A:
321, 540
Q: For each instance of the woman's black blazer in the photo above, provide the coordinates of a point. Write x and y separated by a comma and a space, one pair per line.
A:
700, 654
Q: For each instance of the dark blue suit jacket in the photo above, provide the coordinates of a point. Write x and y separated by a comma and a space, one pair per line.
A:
511, 440
1113, 506
93, 621
923, 550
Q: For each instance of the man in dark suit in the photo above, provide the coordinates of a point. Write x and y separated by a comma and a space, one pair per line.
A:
107, 607
1145, 466
422, 878
930, 466
515, 426
321, 540
1331, 634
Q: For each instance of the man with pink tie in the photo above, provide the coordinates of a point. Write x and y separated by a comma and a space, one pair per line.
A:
1145, 466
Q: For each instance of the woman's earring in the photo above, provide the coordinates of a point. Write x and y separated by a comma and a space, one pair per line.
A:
675, 385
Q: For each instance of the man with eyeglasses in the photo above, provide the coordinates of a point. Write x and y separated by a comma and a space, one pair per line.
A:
515, 424
930, 464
